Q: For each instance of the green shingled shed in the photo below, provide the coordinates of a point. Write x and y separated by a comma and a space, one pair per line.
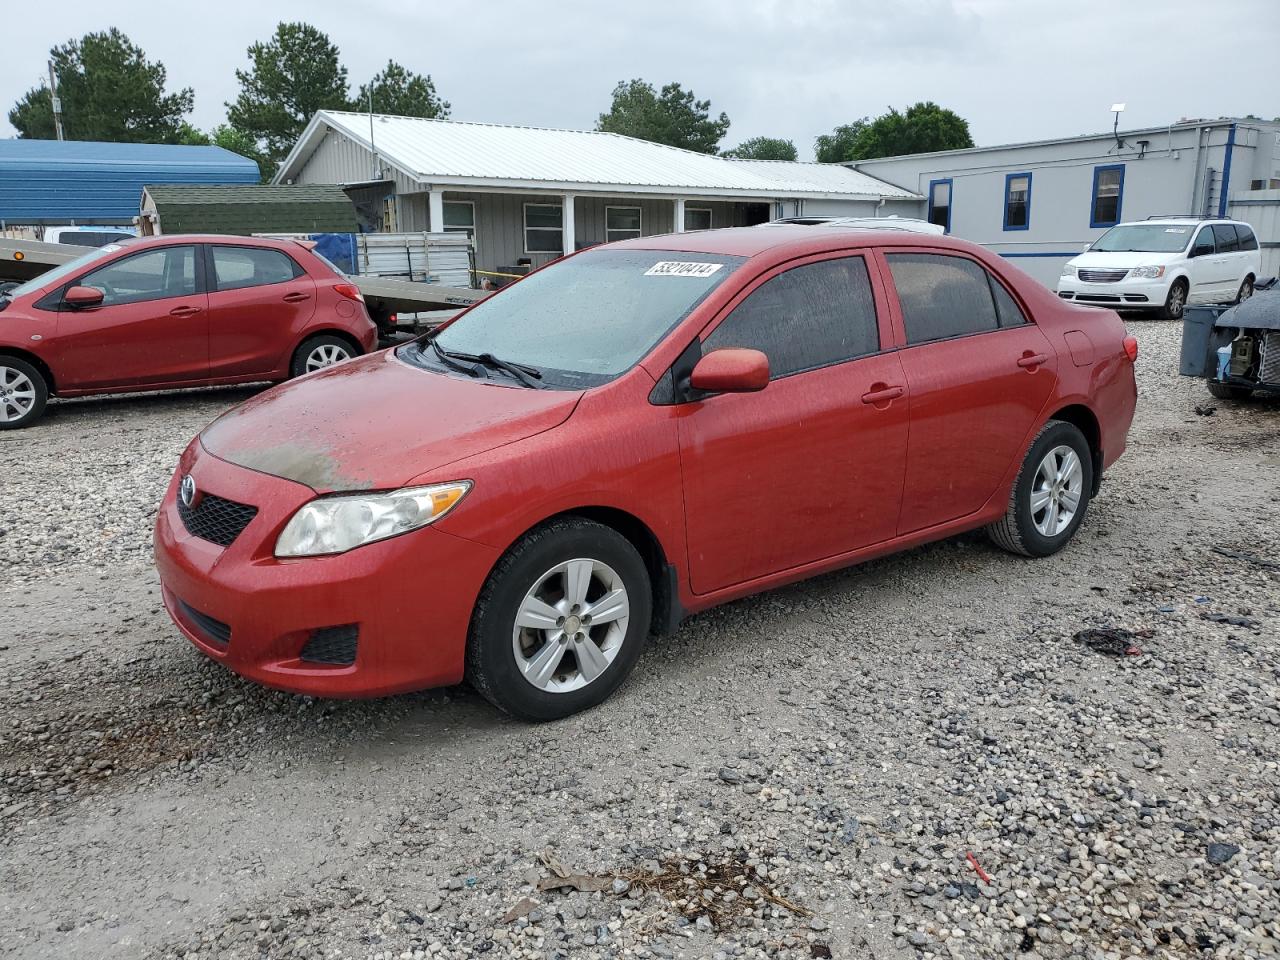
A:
246, 209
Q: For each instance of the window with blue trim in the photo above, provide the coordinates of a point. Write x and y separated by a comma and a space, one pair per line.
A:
1108, 195
1017, 201
940, 203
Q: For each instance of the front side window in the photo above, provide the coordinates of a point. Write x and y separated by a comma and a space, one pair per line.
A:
1017, 201
811, 316
543, 228
1204, 243
151, 275
1108, 191
237, 267
942, 296
940, 204
1224, 235
460, 217
697, 218
621, 223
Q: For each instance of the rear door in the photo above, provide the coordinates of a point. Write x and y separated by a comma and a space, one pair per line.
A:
151, 328
1230, 263
979, 375
810, 467
259, 299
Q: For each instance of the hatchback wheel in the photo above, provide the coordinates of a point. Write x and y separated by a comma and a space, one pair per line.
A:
23, 393
560, 621
1176, 302
320, 352
1051, 494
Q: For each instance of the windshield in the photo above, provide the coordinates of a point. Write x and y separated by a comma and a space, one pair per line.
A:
52, 277
588, 319
1144, 237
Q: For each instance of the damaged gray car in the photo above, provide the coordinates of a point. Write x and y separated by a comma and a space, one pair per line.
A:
1236, 349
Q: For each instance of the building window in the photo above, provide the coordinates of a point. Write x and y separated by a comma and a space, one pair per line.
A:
460, 217
697, 218
1108, 194
1017, 201
940, 203
621, 223
543, 228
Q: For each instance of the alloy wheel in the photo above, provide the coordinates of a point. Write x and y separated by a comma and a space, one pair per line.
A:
1056, 491
1177, 301
17, 395
571, 625
326, 355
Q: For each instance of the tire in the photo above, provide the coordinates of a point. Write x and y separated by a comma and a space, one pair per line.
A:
316, 353
1175, 303
502, 660
1227, 391
1246, 290
1022, 529
23, 393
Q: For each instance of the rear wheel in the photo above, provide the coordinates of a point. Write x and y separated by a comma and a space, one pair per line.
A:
1176, 302
560, 622
316, 353
1051, 494
1246, 290
23, 393
1227, 391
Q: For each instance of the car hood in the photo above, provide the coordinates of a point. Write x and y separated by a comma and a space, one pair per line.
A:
376, 423
1101, 260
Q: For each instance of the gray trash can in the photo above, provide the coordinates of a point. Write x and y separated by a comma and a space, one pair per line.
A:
1200, 342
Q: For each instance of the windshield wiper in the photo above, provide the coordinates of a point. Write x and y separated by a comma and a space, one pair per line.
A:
523, 372
453, 359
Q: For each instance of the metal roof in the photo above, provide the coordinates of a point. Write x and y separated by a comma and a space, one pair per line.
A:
82, 181
455, 154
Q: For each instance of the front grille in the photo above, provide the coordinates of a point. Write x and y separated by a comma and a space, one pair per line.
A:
216, 519
210, 629
336, 645
1098, 297
1102, 276
1269, 363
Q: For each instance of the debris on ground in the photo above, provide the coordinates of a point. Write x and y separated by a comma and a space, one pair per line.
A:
1113, 641
1247, 558
1205, 411
1228, 619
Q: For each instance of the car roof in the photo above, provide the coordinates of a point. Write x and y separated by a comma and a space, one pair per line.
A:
136, 243
786, 239
1179, 221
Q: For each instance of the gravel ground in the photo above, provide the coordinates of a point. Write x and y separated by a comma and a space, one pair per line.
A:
916, 758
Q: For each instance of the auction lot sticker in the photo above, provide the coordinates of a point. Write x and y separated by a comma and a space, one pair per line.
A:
682, 268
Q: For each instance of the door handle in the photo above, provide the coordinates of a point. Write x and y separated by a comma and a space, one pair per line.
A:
296, 297
882, 393
1029, 361
184, 311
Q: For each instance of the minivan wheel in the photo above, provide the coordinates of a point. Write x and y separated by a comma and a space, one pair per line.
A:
1246, 290
1227, 391
1176, 302
1051, 494
23, 393
316, 353
560, 622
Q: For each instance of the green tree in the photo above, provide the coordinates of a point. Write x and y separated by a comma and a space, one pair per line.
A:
923, 128
403, 93
764, 148
674, 117
109, 91
290, 77
228, 138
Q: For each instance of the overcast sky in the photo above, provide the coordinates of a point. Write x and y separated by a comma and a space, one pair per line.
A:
1015, 69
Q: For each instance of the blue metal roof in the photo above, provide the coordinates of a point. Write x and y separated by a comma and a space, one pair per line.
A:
84, 182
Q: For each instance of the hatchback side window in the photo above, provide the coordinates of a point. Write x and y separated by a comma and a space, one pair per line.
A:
237, 267
942, 296
151, 275
1225, 235
811, 316
1247, 240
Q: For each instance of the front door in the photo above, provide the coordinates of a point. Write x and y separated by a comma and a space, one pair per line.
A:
151, 328
1203, 269
979, 375
811, 467
259, 299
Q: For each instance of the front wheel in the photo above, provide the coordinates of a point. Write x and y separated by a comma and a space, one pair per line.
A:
316, 353
1246, 290
1227, 391
1175, 304
1051, 494
560, 622
23, 393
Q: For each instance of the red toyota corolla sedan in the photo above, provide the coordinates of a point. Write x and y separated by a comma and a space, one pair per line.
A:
174, 311
636, 432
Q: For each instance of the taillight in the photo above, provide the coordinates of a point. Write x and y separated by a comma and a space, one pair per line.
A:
1131, 348
349, 290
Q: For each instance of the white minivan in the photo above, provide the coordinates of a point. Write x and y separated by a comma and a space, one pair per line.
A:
1164, 264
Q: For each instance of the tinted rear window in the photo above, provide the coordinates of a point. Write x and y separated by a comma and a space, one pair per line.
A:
942, 296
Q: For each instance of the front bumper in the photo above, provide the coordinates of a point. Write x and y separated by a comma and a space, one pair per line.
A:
1126, 294
409, 598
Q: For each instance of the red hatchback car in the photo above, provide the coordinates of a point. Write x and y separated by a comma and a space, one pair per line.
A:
636, 432
174, 311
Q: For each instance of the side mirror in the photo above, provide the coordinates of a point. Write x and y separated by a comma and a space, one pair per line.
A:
80, 298
731, 370
1087, 248
1201, 251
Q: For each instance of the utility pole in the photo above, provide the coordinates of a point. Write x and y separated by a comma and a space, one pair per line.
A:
57, 103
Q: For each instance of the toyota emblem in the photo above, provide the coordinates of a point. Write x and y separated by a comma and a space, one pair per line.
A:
187, 491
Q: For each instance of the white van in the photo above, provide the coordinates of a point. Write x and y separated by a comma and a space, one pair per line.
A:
1164, 264
88, 236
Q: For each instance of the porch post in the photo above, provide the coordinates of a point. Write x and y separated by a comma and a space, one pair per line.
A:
435, 210
567, 224
680, 215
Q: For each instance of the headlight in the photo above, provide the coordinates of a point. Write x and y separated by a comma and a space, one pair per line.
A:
1147, 273
338, 524
1068, 271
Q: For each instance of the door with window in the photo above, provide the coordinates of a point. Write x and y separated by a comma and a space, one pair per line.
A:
259, 300
1201, 268
979, 375
152, 326
1228, 262
812, 466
